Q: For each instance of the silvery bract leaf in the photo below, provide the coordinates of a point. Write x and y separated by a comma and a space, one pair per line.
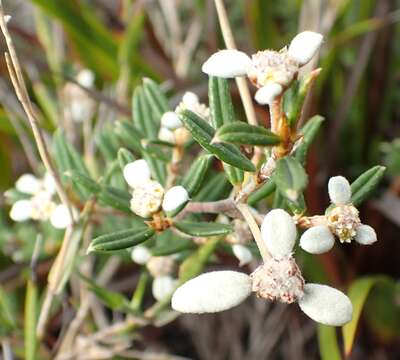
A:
163, 286
326, 305
175, 197
278, 231
60, 217
317, 240
267, 94
212, 292
21, 210
339, 190
242, 253
140, 254
304, 46
28, 184
365, 235
137, 172
171, 120
227, 64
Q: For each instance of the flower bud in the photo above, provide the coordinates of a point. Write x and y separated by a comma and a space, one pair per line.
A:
339, 190
242, 253
174, 198
21, 210
137, 172
140, 254
212, 292
317, 240
278, 231
365, 235
304, 46
326, 305
171, 121
268, 93
60, 217
147, 198
227, 64
28, 184
163, 286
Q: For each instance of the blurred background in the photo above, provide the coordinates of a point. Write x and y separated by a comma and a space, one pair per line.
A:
121, 41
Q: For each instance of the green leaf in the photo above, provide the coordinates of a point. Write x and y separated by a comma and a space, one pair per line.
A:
358, 293
142, 114
120, 240
129, 134
203, 133
220, 101
309, 131
156, 99
235, 175
196, 174
31, 308
138, 295
328, 344
290, 177
173, 246
195, 263
107, 143
363, 186
242, 133
214, 189
203, 229
125, 157
116, 198
85, 181
263, 192
7, 315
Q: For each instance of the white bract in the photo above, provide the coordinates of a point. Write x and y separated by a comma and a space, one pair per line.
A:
242, 253
137, 173
317, 240
304, 46
268, 93
171, 120
60, 217
365, 235
166, 135
21, 210
339, 190
140, 254
190, 101
175, 198
29, 184
227, 64
163, 286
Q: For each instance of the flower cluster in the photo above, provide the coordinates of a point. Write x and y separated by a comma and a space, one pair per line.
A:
278, 278
37, 202
270, 71
341, 221
148, 196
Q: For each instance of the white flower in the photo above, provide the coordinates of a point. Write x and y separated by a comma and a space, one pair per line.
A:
49, 183
171, 120
227, 64
365, 235
85, 78
137, 173
167, 135
28, 184
147, 198
268, 93
317, 240
242, 253
21, 210
304, 46
190, 99
339, 190
140, 254
326, 305
60, 217
163, 286
174, 198
212, 292
279, 233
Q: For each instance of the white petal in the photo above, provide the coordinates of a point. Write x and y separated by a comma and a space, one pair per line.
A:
140, 254
227, 64
190, 99
166, 135
28, 184
21, 210
339, 190
49, 183
163, 286
85, 78
60, 217
212, 292
171, 120
278, 231
365, 235
317, 240
326, 305
304, 46
242, 253
137, 172
267, 94
174, 198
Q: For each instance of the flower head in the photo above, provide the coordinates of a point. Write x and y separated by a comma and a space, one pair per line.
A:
174, 198
147, 198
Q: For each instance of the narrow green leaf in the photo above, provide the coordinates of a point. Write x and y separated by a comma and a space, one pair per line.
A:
203, 133
214, 189
215, 102
203, 229
263, 192
120, 240
116, 198
235, 175
290, 177
363, 186
309, 131
7, 315
138, 295
142, 115
85, 181
155, 97
125, 157
172, 247
328, 344
196, 174
242, 133
129, 134
31, 307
